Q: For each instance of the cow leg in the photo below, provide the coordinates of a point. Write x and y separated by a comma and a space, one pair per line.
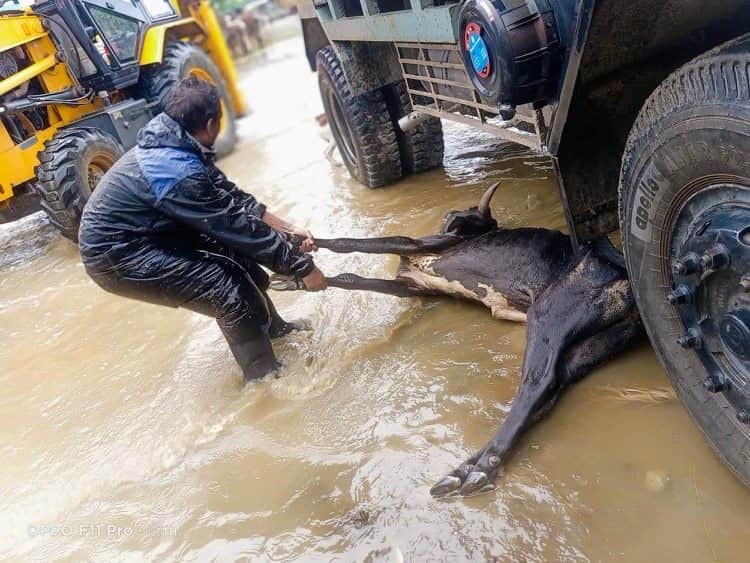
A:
402, 246
400, 287
587, 306
585, 356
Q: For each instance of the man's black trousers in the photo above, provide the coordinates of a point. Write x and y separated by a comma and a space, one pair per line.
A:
207, 278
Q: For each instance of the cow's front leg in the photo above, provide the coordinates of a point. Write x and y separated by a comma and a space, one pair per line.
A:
402, 246
537, 394
586, 303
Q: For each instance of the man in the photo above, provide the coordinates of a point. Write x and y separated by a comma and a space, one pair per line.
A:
166, 226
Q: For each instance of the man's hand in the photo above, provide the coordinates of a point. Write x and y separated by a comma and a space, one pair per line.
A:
308, 241
275, 222
315, 280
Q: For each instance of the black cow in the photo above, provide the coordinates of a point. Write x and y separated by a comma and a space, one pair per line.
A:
578, 305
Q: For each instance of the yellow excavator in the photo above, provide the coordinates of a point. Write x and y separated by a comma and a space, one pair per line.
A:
79, 78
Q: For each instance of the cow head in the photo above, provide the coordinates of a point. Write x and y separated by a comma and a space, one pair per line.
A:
474, 221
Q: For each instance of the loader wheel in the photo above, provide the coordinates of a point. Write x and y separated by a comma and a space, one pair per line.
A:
361, 125
180, 61
70, 167
421, 148
685, 222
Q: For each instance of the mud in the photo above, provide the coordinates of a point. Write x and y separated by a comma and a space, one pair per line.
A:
126, 433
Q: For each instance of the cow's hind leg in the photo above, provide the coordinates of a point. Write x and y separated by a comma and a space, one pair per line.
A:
400, 287
592, 307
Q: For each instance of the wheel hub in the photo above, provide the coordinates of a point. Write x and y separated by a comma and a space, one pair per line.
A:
710, 266
735, 333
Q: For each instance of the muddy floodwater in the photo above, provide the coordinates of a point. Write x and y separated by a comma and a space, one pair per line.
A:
126, 433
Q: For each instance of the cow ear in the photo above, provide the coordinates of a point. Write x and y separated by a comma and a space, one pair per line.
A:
451, 223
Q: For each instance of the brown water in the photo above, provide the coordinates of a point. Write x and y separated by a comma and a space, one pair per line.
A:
127, 435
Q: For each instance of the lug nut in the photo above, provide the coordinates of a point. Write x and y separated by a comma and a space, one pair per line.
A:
715, 258
686, 265
714, 384
745, 283
680, 295
743, 415
691, 339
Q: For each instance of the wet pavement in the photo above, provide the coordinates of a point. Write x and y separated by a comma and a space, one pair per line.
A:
127, 434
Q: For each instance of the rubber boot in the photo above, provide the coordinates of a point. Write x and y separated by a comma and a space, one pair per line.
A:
280, 327
252, 350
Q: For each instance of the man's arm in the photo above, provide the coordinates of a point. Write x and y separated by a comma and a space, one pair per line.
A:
248, 201
257, 209
198, 203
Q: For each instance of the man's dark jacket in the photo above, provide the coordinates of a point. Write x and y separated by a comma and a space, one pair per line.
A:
164, 193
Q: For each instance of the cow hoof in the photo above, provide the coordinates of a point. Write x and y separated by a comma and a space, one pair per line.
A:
474, 483
447, 485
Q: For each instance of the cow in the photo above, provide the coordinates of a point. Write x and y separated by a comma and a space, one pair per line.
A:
253, 26
577, 303
235, 32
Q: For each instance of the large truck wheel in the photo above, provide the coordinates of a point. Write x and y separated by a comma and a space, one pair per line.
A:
70, 167
685, 222
422, 147
180, 61
361, 125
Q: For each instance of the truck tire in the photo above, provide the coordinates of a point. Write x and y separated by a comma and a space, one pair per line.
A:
361, 125
684, 189
180, 61
70, 167
421, 148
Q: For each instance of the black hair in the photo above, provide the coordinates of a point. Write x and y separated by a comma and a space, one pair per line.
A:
192, 102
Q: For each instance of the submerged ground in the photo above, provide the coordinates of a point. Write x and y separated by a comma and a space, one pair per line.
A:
125, 432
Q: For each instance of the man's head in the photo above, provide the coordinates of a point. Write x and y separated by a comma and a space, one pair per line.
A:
195, 104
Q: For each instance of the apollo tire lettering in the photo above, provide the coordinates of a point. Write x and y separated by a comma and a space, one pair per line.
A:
652, 186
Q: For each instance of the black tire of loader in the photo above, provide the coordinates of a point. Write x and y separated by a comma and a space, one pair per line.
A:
64, 170
701, 110
361, 125
422, 148
179, 60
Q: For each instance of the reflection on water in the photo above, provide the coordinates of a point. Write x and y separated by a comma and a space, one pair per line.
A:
127, 434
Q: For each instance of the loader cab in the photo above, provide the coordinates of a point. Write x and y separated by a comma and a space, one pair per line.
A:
102, 39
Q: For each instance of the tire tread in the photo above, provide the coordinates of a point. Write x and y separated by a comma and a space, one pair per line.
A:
423, 147
370, 121
58, 177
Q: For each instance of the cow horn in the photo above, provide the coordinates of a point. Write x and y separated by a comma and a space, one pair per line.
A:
484, 203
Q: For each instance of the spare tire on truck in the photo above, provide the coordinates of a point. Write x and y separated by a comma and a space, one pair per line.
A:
361, 125
180, 61
685, 222
70, 167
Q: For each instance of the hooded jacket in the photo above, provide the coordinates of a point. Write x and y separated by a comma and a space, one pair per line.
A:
166, 191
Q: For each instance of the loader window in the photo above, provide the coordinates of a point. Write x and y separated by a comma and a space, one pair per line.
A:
158, 9
120, 33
